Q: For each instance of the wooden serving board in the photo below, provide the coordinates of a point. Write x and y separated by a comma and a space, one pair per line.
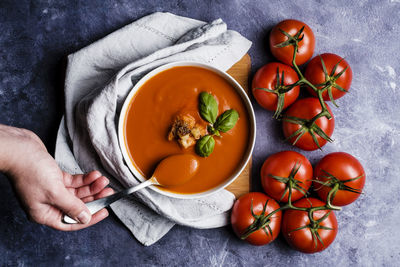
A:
240, 72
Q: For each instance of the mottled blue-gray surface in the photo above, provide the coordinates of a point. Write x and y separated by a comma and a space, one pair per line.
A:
35, 37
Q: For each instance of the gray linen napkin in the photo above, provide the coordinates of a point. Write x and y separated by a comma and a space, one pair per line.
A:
98, 79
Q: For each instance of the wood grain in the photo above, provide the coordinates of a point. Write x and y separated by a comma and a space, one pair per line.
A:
240, 72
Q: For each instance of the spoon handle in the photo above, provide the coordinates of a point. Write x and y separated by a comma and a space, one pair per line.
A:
98, 204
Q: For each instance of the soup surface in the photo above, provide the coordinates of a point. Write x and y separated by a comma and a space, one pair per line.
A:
153, 109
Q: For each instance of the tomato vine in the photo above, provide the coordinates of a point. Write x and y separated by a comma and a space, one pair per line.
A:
309, 125
319, 90
262, 221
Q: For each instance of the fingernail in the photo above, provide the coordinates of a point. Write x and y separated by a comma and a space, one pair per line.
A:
84, 217
97, 174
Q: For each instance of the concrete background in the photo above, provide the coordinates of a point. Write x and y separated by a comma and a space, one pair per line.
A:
35, 37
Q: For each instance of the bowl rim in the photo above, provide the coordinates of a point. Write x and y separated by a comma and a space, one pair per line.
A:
121, 122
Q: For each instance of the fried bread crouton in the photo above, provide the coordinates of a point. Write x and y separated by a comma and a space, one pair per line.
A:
198, 131
185, 130
186, 141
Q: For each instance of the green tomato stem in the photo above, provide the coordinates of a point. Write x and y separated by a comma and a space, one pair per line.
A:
303, 81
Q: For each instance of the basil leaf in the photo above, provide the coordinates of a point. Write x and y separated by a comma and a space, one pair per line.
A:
205, 146
226, 120
208, 107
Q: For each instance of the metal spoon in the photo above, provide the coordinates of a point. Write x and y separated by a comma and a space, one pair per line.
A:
171, 171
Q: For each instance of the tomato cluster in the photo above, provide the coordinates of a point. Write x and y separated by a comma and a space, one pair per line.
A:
299, 201
308, 123
307, 223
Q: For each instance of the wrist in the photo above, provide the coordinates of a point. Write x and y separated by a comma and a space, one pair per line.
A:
5, 150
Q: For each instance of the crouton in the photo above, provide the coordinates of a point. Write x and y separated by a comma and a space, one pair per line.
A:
198, 131
186, 141
185, 130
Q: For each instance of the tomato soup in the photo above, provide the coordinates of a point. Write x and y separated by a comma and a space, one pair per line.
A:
151, 113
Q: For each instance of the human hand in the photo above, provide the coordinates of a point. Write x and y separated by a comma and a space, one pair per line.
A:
45, 191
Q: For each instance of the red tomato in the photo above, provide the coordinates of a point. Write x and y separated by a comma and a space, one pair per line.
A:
303, 239
316, 75
242, 218
282, 165
347, 172
305, 46
266, 77
307, 108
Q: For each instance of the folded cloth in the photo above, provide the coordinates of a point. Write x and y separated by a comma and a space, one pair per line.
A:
98, 79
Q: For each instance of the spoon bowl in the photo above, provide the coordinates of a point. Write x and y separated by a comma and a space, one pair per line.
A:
176, 170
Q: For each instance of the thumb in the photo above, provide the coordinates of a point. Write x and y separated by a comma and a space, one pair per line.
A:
73, 207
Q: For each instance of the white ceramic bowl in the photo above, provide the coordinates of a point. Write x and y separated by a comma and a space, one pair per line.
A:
235, 85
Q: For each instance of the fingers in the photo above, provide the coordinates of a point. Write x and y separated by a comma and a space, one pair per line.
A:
80, 189
72, 206
103, 193
97, 217
94, 188
59, 225
85, 185
79, 180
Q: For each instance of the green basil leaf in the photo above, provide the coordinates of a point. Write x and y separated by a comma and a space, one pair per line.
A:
205, 146
226, 120
208, 107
